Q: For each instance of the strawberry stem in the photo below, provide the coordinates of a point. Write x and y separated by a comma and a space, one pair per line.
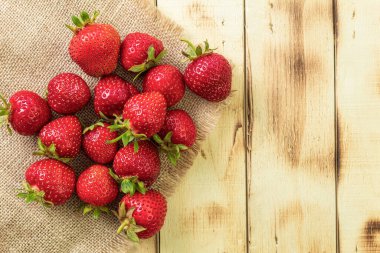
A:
104, 118
50, 152
128, 135
172, 151
81, 21
194, 52
97, 210
92, 127
149, 63
129, 184
32, 194
128, 223
5, 110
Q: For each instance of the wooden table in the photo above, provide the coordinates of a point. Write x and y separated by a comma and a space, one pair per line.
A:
294, 164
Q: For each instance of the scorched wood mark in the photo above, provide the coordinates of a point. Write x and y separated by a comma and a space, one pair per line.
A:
203, 154
370, 239
343, 134
291, 213
216, 213
237, 127
288, 125
200, 14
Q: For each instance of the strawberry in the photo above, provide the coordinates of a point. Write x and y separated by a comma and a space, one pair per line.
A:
95, 143
143, 114
182, 127
167, 80
97, 188
142, 216
68, 93
136, 169
111, 93
140, 52
94, 47
209, 74
61, 139
48, 182
177, 134
26, 112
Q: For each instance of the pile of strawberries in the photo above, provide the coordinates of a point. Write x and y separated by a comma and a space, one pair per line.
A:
140, 122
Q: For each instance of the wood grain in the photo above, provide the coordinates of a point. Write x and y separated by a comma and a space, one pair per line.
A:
358, 104
208, 211
290, 128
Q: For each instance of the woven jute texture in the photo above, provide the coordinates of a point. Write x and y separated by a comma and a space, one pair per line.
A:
33, 49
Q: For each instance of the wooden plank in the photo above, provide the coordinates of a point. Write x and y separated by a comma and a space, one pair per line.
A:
147, 246
290, 112
358, 105
208, 211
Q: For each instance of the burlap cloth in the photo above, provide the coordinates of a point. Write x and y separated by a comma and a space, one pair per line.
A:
33, 49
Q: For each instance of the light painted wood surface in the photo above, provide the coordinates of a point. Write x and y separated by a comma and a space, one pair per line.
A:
291, 161
358, 107
208, 211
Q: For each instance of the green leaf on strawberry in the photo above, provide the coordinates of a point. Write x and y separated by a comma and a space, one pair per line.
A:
30, 195
92, 127
127, 136
128, 223
150, 62
96, 210
173, 151
81, 21
4, 113
194, 52
129, 185
49, 151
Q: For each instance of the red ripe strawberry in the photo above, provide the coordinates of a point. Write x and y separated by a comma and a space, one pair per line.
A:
95, 143
61, 138
167, 80
111, 93
94, 47
182, 127
48, 182
146, 113
26, 112
209, 74
177, 134
142, 216
137, 169
68, 93
140, 52
97, 188
143, 114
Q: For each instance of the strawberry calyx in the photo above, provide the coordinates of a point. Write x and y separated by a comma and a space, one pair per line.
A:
194, 52
104, 118
49, 151
128, 223
33, 194
128, 135
81, 21
173, 151
149, 63
5, 110
129, 184
92, 127
97, 210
